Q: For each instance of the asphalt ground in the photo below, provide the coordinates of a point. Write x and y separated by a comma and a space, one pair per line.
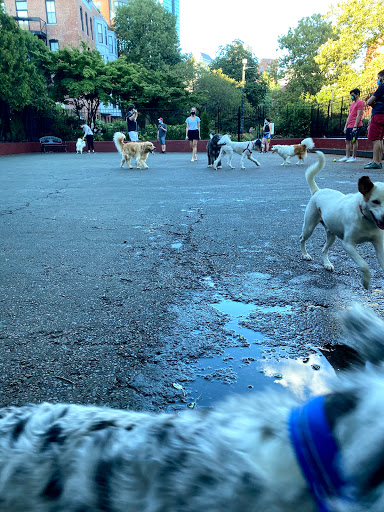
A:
117, 284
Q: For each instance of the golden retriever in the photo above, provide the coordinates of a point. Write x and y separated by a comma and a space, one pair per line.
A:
137, 150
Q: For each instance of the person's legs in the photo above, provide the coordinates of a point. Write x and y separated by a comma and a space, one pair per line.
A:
377, 151
194, 149
133, 136
355, 145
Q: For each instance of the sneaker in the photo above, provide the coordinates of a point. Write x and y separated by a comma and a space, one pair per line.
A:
344, 159
373, 165
351, 159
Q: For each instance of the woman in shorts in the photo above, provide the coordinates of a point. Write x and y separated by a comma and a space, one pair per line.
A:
192, 132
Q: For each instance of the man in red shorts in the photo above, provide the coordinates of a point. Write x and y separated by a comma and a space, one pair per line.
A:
376, 125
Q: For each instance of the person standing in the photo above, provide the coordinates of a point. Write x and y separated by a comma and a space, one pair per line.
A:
161, 133
352, 126
132, 123
192, 132
89, 136
376, 124
267, 131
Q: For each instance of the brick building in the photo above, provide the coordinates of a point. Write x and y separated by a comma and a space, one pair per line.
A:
65, 23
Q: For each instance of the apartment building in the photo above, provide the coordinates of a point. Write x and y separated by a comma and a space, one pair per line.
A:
62, 23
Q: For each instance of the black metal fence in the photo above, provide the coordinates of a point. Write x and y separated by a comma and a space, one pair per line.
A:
291, 121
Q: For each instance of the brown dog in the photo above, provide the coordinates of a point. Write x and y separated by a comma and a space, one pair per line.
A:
137, 150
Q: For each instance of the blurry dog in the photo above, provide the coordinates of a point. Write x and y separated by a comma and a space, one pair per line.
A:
137, 150
299, 150
354, 218
80, 145
213, 149
228, 147
248, 454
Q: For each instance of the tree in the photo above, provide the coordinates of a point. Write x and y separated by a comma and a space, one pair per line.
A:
302, 72
229, 60
147, 34
79, 78
360, 28
23, 82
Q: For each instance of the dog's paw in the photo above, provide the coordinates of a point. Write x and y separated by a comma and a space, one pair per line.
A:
329, 266
307, 257
219, 167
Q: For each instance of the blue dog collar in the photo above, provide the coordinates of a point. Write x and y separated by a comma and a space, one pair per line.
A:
317, 453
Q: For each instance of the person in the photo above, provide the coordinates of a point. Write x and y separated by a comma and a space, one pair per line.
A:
89, 136
132, 123
267, 130
192, 132
376, 124
161, 133
352, 126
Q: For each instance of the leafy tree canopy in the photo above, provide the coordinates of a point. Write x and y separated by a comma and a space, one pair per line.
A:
218, 90
229, 60
302, 72
147, 34
360, 29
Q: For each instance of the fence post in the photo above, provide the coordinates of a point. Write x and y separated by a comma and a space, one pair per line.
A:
341, 113
238, 124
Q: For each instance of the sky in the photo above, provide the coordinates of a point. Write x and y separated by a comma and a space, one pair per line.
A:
207, 24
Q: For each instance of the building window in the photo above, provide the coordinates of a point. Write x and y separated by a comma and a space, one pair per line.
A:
105, 35
81, 19
91, 26
51, 12
97, 4
110, 44
99, 33
86, 23
22, 12
54, 45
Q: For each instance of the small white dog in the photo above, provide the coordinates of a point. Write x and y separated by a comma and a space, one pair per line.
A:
80, 145
266, 452
354, 218
299, 150
228, 147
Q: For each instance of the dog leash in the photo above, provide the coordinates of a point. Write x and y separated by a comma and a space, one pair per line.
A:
247, 148
317, 453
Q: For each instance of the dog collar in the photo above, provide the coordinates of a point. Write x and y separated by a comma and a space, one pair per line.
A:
317, 453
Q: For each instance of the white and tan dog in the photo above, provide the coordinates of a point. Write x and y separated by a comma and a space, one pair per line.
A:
266, 452
354, 218
228, 147
299, 150
137, 150
80, 145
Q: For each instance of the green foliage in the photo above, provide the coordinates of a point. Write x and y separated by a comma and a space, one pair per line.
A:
215, 89
205, 125
62, 124
302, 72
147, 34
116, 126
229, 60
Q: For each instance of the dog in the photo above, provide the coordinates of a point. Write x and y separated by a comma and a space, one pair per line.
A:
256, 453
354, 218
228, 147
299, 150
213, 149
80, 145
137, 150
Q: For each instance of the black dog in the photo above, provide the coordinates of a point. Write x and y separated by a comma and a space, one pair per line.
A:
257, 145
213, 149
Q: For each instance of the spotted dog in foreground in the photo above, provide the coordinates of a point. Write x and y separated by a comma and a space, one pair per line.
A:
262, 453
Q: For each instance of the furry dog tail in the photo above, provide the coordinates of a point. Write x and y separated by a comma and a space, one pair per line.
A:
118, 139
313, 170
364, 332
308, 143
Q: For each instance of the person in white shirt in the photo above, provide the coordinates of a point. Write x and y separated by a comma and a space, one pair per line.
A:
89, 136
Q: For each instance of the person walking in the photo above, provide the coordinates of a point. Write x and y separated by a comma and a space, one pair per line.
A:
192, 132
161, 133
267, 131
88, 134
352, 126
376, 124
132, 123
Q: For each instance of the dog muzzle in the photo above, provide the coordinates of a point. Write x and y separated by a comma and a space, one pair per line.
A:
318, 455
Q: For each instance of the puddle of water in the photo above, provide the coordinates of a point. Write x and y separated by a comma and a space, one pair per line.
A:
244, 369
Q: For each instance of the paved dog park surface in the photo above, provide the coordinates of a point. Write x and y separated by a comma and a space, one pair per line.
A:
171, 286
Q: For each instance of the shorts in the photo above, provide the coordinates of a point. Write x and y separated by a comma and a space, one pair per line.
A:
162, 140
193, 135
266, 135
348, 133
133, 136
376, 127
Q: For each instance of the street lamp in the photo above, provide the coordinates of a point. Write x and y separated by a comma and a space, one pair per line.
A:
244, 62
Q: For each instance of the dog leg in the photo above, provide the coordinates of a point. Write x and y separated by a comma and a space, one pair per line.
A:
242, 166
379, 249
331, 237
122, 162
230, 155
250, 157
359, 260
217, 162
311, 220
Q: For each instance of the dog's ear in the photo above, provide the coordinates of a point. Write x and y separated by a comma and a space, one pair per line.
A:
365, 185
